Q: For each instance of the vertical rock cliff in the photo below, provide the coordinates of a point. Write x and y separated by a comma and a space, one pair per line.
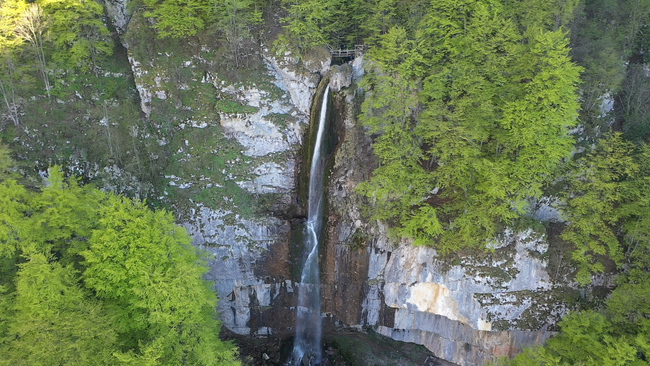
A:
241, 205
232, 142
252, 262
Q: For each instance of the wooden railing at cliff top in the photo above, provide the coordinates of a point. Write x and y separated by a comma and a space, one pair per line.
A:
340, 52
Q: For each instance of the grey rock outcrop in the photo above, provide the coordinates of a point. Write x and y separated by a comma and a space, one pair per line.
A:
144, 90
442, 306
236, 252
271, 178
292, 77
117, 13
261, 136
341, 77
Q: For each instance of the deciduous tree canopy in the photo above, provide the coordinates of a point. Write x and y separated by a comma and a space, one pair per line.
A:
89, 278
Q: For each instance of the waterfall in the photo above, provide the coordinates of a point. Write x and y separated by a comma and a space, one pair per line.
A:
307, 344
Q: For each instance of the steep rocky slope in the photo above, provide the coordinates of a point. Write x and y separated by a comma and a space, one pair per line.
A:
466, 310
225, 148
254, 135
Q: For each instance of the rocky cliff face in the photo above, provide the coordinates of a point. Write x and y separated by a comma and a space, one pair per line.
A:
234, 141
251, 266
466, 310
118, 14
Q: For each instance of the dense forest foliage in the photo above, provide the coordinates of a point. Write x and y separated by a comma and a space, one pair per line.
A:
477, 110
474, 107
92, 278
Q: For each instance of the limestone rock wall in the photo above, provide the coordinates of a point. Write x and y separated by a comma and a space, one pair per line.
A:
443, 306
118, 14
238, 251
466, 312
251, 260
250, 157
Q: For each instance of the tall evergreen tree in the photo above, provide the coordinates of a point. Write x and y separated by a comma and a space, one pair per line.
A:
179, 18
491, 106
78, 32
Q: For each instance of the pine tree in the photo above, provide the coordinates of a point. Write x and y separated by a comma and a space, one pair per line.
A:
474, 107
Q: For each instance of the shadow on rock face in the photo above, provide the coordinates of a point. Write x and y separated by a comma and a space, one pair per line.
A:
342, 348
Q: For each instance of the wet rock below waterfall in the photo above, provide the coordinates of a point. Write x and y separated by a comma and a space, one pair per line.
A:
345, 348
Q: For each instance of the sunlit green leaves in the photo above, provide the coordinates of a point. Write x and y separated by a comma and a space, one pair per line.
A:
179, 18
587, 338
598, 203
78, 32
54, 323
470, 102
13, 206
10, 14
319, 22
89, 278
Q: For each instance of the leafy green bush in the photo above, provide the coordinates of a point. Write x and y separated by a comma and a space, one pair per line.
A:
94, 278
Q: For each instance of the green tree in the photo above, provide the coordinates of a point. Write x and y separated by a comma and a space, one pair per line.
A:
14, 200
605, 193
603, 35
13, 208
401, 182
53, 322
319, 22
382, 15
10, 15
7, 87
31, 28
490, 106
310, 22
63, 217
586, 339
179, 18
11, 12
88, 277
534, 15
78, 32
6, 163
609, 214
146, 268
633, 110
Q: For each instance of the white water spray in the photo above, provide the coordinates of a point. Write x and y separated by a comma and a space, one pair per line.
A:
307, 345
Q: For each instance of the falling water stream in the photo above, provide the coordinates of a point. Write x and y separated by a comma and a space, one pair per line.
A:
307, 344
